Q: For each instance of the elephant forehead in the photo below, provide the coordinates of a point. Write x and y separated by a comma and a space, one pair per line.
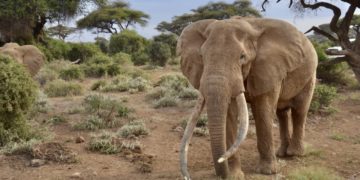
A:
230, 26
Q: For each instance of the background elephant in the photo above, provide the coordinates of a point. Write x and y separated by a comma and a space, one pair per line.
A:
269, 61
28, 55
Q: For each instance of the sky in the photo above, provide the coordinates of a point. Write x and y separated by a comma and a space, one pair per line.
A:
164, 10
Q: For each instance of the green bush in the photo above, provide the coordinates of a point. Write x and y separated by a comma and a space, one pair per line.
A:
104, 107
166, 101
322, 98
159, 53
71, 73
17, 95
55, 49
124, 83
98, 85
170, 40
176, 82
19, 147
40, 105
170, 90
95, 70
46, 75
103, 44
104, 143
82, 51
110, 143
92, 123
140, 58
127, 41
333, 74
58, 65
60, 88
188, 93
115, 69
122, 59
134, 128
99, 59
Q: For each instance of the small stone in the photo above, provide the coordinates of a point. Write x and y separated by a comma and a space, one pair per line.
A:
80, 139
76, 175
37, 162
129, 156
179, 129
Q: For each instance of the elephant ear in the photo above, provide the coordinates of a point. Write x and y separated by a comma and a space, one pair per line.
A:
188, 47
279, 52
33, 58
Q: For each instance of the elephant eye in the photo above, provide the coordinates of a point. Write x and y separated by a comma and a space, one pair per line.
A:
242, 56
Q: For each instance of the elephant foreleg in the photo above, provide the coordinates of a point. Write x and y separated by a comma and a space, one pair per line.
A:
264, 108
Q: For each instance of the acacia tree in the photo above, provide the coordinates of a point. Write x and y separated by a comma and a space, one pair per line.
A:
218, 10
60, 31
340, 28
113, 18
24, 20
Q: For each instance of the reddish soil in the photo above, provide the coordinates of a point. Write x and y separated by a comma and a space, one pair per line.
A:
324, 149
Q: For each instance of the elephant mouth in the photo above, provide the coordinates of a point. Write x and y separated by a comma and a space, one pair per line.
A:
243, 126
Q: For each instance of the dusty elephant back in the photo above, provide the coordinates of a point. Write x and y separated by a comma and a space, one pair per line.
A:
28, 55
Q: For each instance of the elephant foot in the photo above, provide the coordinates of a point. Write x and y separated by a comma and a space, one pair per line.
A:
281, 152
236, 174
266, 167
295, 149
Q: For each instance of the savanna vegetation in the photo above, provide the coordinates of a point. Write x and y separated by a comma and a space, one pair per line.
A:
123, 99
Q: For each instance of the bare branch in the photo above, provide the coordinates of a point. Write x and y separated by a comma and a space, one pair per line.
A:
334, 61
324, 33
337, 52
291, 3
335, 9
345, 25
263, 5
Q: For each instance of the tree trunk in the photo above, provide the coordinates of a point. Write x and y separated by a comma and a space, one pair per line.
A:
354, 60
354, 64
38, 30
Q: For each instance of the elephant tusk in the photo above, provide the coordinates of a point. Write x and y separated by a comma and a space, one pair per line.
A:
187, 136
243, 126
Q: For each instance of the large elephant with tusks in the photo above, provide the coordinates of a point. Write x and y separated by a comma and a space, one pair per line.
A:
265, 62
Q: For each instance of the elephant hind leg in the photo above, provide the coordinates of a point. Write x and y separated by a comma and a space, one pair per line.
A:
283, 116
231, 133
299, 110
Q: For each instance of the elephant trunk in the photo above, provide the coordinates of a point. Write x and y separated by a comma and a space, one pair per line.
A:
217, 98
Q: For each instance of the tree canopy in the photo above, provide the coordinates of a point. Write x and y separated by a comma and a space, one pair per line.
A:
23, 20
218, 10
113, 18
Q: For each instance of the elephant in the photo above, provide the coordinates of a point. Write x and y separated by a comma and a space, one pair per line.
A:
266, 63
28, 55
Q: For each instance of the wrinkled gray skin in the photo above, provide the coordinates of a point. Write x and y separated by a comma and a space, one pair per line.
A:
271, 62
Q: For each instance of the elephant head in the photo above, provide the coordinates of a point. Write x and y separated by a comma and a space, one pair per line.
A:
28, 55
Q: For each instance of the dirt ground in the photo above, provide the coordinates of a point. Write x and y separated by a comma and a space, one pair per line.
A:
332, 142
